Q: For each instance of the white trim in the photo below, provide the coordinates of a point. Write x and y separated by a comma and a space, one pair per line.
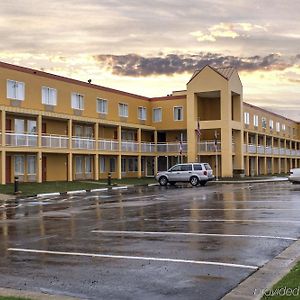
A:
123, 103
161, 115
76, 192
199, 262
47, 195
99, 190
144, 108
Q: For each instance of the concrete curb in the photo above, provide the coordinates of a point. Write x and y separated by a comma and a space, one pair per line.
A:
32, 295
280, 179
266, 276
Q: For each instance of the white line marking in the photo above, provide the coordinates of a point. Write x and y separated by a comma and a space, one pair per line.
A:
191, 234
195, 209
119, 187
76, 192
47, 195
200, 262
99, 190
224, 220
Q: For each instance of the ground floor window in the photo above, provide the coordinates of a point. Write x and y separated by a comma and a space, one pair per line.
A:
19, 164
132, 164
112, 164
78, 165
88, 164
31, 164
102, 164
123, 165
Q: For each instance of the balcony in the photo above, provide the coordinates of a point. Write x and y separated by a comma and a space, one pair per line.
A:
108, 145
148, 147
209, 146
129, 146
83, 143
172, 147
55, 141
13, 139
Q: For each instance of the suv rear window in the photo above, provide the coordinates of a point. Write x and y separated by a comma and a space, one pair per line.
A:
207, 167
197, 168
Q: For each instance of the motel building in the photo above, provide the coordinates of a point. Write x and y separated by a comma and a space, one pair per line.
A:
56, 128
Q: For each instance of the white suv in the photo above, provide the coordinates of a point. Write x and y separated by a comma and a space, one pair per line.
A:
195, 173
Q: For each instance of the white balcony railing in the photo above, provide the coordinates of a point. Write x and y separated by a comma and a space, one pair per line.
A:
148, 147
108, 145
83, 143
172, 147
21, 139
260, 149
54, 141
268, 150
129, 146
252, 148
276, 151
211, 146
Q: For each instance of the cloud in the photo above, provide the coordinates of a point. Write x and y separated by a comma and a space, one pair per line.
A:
138, 66
227, 30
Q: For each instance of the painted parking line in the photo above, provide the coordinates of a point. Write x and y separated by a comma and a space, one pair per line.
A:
225, 220
165, 233
243, 209
162, 259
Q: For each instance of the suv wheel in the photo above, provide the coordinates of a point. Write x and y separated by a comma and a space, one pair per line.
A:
163, 181
194, 181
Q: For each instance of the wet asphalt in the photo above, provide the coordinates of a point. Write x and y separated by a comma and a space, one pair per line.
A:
152, 243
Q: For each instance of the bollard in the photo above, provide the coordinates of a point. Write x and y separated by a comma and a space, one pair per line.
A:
109, 179
16, 185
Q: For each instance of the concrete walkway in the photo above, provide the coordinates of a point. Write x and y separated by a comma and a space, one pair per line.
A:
252, 288
272, 179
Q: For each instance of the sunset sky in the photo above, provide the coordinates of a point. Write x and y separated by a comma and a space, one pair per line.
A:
152, 47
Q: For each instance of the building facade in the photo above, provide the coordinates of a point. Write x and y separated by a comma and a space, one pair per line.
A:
56, 128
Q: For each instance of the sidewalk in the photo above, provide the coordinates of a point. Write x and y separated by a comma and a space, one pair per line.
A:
267, 276
272, 179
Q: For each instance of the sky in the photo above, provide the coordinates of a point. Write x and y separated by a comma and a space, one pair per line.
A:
153, 47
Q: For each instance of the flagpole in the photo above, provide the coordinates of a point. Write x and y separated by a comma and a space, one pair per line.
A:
216, 148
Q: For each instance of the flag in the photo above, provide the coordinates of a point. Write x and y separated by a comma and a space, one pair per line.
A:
180, 147
198, 131
216, 140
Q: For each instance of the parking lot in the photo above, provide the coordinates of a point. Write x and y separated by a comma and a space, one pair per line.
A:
150, 243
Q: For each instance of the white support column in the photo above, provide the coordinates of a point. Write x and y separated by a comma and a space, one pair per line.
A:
39, 128
3, 143
39, 167
70, 167
96, 167
70, 133
119, 169
96, 135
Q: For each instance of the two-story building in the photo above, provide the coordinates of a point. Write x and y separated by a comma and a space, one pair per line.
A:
57, 128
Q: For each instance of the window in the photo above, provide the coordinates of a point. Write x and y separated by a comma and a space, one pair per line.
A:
255, 120
264, 123
15, 90
186, 168
123, 165
132, 164
277, 126
271, 124
142, 113
175, 168
31, 164
77, 101
19, 126
31, 126
123, 110
246, 118
102, 107
112, 164
19, 165
197, 167
88, 164
88, 131
78, 165
283, 127
102, 164
178, 113
49, 96
157, 115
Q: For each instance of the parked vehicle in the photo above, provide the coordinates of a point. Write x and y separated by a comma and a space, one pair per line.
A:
195, 173
294, 176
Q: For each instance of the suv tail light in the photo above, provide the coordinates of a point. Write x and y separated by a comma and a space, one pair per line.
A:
205, 173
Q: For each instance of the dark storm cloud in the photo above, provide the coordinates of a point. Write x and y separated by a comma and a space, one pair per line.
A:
137, 65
